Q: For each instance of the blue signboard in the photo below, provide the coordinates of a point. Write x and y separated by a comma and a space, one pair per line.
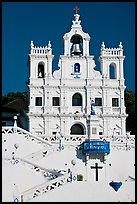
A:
94, 146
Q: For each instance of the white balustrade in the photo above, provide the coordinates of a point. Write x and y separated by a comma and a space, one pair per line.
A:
10, 130
44, 187
112, 51
121, 142
40, 51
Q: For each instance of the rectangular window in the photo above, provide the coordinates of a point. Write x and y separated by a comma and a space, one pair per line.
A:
94, 130
38, 101
117, 133
115, 102
55, 101
98, 101
38, 132
54, 133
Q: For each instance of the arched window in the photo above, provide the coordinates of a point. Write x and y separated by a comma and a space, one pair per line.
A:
77, 129
76, 68
77, 100
112, 71
40, 70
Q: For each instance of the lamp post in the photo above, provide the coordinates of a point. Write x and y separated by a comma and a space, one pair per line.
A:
58, 138
14, 160
73, 177
16, 197
113, 136
15, 121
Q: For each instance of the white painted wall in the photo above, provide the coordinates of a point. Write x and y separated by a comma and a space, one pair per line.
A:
63, 84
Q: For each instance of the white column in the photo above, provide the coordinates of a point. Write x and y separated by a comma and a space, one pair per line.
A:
87, 47
63, 127
47, 126
105, 124
49, 65
104, 100
123, 127
88, 98
121, 70
122, 104
66, 46
87, 167
61, 100
44, 99
87, 68
44, 126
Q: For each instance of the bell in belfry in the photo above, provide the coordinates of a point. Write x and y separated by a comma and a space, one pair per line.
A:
76, 49
77, 44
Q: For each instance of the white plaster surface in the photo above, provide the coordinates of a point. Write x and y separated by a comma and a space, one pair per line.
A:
90, 192
26, 177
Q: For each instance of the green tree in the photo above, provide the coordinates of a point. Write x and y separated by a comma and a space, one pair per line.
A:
130, 110
11, 96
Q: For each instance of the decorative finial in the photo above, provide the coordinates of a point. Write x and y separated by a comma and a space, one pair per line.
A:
31, 44
15, 121
76, 9
103, 45
120, 45
49, 44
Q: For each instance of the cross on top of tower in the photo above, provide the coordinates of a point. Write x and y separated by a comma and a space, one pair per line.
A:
76, 9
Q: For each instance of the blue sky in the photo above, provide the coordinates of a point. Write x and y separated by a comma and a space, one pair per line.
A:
22, 22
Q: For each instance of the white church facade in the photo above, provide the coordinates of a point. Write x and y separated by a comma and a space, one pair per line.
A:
62, 101
77, 148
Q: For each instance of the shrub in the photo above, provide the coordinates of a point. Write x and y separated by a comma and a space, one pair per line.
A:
79, 177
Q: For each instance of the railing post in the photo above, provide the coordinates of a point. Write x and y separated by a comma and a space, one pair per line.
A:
21, 198
15, 124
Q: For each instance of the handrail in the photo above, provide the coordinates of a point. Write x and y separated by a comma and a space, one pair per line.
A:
41, 153
44, 187
17, 129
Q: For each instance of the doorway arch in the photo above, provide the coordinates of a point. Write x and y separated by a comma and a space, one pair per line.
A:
77, 129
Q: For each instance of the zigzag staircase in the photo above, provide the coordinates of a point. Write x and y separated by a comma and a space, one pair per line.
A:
44, 187
9, 130
56, 178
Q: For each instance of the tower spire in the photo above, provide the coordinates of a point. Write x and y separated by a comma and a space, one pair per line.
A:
76, 9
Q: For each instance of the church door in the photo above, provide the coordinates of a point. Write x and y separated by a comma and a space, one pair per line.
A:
77, 129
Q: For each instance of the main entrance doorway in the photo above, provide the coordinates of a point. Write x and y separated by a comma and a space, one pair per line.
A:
77, 129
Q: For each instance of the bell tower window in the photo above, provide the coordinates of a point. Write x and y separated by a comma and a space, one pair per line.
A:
112, 71
40, 70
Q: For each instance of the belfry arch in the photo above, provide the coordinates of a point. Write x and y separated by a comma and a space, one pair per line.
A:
77, 45
40, 70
